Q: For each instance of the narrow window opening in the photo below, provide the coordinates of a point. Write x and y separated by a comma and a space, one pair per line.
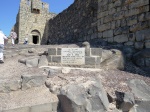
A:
42, 6
36, 11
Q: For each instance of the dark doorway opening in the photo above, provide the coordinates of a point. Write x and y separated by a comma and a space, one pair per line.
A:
35, 39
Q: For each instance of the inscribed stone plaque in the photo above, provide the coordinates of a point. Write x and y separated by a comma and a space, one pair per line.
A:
73, 56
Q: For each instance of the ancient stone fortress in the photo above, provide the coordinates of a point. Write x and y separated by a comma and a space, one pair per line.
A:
101, 65
31, 20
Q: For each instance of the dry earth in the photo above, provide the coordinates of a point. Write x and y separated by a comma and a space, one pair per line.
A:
113, 80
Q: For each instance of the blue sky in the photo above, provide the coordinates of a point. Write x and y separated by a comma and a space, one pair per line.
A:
9, 10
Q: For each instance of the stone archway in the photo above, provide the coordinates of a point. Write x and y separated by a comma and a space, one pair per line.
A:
36, 37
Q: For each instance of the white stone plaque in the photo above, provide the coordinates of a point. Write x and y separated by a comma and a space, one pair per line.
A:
73, 56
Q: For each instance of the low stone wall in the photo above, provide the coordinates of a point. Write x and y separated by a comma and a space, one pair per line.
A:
94, 58
92, 55
125, 21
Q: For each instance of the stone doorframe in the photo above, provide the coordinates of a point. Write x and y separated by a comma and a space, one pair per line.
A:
35, 37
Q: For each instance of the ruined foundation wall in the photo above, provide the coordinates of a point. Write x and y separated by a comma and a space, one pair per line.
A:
75, 24
125, 21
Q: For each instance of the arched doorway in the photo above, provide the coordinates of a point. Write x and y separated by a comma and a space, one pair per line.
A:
36, 37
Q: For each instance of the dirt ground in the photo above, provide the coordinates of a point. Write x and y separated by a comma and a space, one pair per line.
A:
112, 79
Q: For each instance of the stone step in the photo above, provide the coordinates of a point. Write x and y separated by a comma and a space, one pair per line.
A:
38, 99
25, 81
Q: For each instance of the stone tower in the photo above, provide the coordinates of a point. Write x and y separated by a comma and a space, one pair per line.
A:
31, 20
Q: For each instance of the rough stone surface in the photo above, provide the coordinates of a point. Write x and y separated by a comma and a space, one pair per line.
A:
43, 61
32, 62
112, 80
28, 23
142, 58
140, 89
29, 81
84, 102
112, 59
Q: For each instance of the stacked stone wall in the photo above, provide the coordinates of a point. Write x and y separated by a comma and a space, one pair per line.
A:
28, 21
75, 24
125, 21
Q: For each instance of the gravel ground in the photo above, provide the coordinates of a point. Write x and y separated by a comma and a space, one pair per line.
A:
112, 80
13, 69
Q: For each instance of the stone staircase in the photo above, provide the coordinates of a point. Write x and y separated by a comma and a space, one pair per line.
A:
25, 92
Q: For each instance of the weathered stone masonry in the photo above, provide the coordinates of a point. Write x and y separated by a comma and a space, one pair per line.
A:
118, 21
32, 19
125, 21
75, 24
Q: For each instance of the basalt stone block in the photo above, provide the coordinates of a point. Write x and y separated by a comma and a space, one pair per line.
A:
123, 22
104, 27
121, 38
56, 59
43, 61
118, 31
87, 51
141, 17
140, 89
32, 62
29, 81
96, 51
147, 16
139, 3
147, 44
131, 37
139, 45
139, 26
108, 33
102, 14
118, 15
49, 58
58, 51
111, 39
129, 43
131, 12
142, 58
143, 35
89, 60
147, 62
118, 23
108, 18
97, 62
52, 51
132, 20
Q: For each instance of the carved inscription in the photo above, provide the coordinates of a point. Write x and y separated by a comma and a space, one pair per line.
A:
73, 56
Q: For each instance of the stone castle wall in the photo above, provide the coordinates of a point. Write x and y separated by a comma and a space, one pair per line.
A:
75, 24
32, 18
117, 21
125, 21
